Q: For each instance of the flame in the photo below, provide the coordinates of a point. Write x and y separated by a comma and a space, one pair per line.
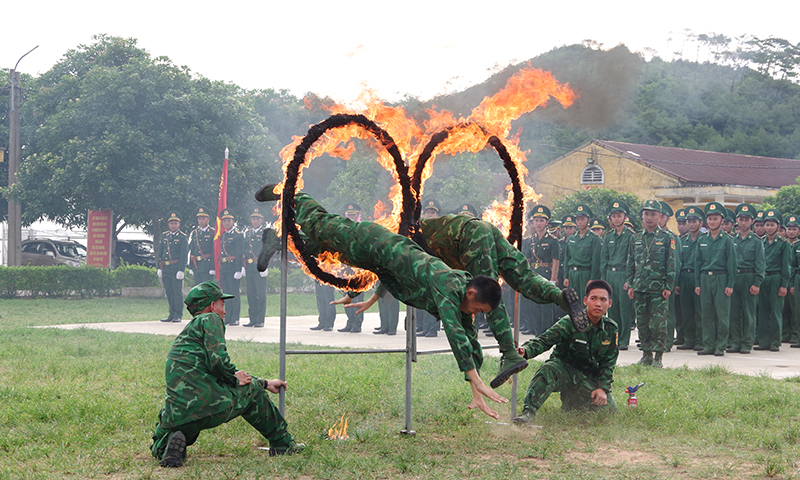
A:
339, 429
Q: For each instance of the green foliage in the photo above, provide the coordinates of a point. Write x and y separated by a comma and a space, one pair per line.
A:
58, 281
136, 276
599, 199
787, 200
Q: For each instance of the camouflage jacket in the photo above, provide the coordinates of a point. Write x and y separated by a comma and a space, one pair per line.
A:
594, 352
651, 261
200, 377
444, 235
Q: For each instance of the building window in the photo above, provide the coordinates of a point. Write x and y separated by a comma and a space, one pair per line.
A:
592, 174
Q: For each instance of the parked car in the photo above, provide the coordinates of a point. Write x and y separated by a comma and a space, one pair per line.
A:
135, 252
53, 252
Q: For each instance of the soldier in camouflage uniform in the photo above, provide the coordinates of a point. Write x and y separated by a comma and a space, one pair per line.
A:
750, 270
582, 256
582, 364
205, 390
651, 278
172, 258
689, 302
715, 267
778, 257
410, 275
231, 268
201, 249
613, 268
256, 280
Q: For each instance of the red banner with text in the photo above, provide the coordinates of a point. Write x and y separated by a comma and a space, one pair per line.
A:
99, 239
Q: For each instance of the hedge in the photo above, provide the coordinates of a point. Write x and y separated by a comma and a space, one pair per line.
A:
63, 281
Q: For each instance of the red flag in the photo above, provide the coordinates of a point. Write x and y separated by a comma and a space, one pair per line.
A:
222, 204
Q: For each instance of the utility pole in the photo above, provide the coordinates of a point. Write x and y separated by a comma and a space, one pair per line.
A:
14, 156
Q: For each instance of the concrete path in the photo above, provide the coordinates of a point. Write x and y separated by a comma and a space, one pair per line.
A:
783, 364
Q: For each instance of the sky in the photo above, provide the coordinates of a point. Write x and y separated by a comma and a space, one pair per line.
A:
415, 47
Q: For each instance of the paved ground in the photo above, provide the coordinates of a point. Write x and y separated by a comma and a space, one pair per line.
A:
783, 364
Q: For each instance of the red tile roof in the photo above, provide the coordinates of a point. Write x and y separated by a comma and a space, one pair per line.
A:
711, 168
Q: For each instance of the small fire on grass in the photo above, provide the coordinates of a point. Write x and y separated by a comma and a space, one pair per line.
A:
339, 430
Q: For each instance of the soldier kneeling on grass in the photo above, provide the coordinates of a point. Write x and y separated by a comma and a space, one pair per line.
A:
582, 364
205, 390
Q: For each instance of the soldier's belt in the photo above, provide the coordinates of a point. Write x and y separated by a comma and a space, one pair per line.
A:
774, 272
745, 270
688, 270
713, 272
227, 259
580, 269
542, 265
168, 262
203, 257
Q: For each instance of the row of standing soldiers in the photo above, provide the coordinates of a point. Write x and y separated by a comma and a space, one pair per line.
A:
704, 289
238, 258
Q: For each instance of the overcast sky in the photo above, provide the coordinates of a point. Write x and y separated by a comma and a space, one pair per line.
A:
416, 47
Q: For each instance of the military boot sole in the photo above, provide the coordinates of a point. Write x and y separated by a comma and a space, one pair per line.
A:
503, 376
173, 454
289, 450
265, 194
575, 310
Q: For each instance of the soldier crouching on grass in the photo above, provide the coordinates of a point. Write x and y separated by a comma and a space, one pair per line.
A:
205, 390
582, 364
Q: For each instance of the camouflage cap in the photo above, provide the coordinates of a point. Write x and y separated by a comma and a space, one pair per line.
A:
203, 295
666, 209
225, 213
467, 209
618, 206
202, 212
173, 215
584, 210
694, 212
654, 205
540, 211
745, 210
792, 221
568, 221
714, 208
680, 215
773, 215
759, 217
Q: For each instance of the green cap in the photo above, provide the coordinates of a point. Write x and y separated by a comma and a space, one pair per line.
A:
225, 213
714, 208
430, 204
680, 215
203, 295
554, 223
729, 215
618, 206
568, 221
584, 210
792, 221
773, 215
596, 223
173, 215
665, 208
540, 211
202, 212
257, 212
654, 205
694, 212
759, 218
468, 209
746, 210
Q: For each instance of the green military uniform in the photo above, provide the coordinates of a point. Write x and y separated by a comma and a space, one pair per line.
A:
256, 281
613, 267
404, 269
202, 388
582, 256
651, 270
201, 251
688, 302
672, 318
791, 332
540, 253
715, 264
427, 324
172, 256
231, 268
478, 247
580, 363
750, 271
778, 256
354, 320
680, 219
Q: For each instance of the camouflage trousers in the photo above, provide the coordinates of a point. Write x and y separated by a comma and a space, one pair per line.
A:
715, 308
688, 304
558, 376
770, 306
742, 330
651, 317
252, 404
621, 309
484, 250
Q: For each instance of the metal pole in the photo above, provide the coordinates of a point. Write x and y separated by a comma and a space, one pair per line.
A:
411, 356
516, 342
284, 285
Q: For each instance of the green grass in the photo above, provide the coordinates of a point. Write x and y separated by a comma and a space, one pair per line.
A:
83, 404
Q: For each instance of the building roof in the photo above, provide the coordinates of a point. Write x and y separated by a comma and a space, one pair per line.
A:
711, 168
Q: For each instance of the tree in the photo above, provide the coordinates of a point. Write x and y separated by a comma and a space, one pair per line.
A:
117, 129
598, 199
787, 200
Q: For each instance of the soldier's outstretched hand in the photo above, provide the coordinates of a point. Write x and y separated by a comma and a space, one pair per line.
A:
480, 390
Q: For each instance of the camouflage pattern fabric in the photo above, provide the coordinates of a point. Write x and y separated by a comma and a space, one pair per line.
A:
478, 247
613, 268
580, 363
651, 316
203, 391
750, 268
404, 269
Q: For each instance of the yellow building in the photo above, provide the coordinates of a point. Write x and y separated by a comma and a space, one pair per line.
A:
677, 176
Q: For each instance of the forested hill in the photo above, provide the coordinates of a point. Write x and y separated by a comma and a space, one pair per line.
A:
703, 106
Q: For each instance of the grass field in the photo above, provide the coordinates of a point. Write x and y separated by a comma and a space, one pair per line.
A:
83, 404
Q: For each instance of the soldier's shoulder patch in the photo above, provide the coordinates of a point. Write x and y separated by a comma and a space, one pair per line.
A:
672, 244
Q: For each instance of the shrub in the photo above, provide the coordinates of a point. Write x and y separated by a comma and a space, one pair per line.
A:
135, 276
